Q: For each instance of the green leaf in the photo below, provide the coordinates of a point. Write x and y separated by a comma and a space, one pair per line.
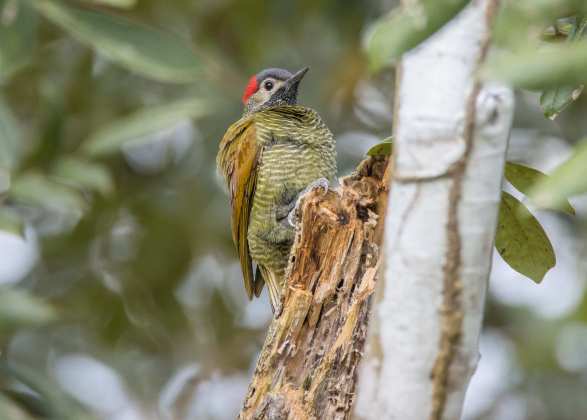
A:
37, 190
10, 411
84, 175
147, 51
521, 241
385, 148
56, 403
4, 181
18, 32
569, 179
10, 138
404, 28
122, 4
546, 67
518, 22
555, 100
19, 308
580, 28
523, 178
133, 128
10, 221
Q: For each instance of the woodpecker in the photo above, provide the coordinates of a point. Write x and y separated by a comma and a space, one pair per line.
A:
268, 158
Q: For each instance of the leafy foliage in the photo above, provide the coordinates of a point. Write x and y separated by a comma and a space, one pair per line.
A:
403, 29
19, 37
131, 130
123, 4
555, 100
9, 410
529, 62
524, 178
546, 68
37, 190
139, 275
139, 48
48, 399
82, 81
535, 60
84, 174
150, 52
19, 308
521, 241
567, 180
10, 221
385, 148
10, 138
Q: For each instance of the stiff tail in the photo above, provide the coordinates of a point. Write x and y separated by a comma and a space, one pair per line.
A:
274, 283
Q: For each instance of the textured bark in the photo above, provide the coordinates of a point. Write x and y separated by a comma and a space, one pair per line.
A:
451, 136
308, 364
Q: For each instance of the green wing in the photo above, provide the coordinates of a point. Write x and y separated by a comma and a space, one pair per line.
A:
237, 160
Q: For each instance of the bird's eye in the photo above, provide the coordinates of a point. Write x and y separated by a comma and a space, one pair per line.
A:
268, 85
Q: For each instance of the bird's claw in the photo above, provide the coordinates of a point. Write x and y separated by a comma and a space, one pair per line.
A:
278, 309
320, 183
291, 216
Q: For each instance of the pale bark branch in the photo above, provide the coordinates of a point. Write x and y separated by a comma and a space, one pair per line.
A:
450, 142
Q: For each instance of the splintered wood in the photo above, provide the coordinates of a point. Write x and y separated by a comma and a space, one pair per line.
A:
307, 368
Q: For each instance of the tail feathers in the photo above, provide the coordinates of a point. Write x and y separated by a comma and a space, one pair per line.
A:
274, 285
259, 282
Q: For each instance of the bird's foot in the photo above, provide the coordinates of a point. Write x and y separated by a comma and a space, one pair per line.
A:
277, 309
320, 183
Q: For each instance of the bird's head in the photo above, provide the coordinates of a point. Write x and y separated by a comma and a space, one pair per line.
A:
272, 87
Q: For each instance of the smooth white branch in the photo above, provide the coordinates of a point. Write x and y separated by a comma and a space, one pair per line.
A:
451, 137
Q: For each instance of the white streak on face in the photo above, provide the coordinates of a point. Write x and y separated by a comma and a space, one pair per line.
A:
267, 88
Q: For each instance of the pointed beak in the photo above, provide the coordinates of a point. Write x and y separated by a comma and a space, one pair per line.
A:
293, 82
299, 75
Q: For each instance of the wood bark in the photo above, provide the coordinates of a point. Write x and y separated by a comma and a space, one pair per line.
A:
308, 365
451, 135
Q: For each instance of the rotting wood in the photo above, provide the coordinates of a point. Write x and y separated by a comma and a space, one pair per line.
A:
308, 365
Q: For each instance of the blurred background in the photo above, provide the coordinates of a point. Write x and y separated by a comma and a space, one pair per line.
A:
120, 293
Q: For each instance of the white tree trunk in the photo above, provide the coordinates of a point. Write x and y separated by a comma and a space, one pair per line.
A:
450, 142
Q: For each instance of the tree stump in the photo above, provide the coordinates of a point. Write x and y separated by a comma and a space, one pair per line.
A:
307, 368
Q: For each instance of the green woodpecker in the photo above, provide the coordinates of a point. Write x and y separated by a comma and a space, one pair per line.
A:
268, 157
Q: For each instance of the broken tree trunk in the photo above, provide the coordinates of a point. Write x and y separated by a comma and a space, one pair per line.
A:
451, 134
308, 364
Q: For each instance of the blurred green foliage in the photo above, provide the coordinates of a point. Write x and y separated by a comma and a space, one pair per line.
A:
524, 178
110, 116
149, 52
567, 180
404, 28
